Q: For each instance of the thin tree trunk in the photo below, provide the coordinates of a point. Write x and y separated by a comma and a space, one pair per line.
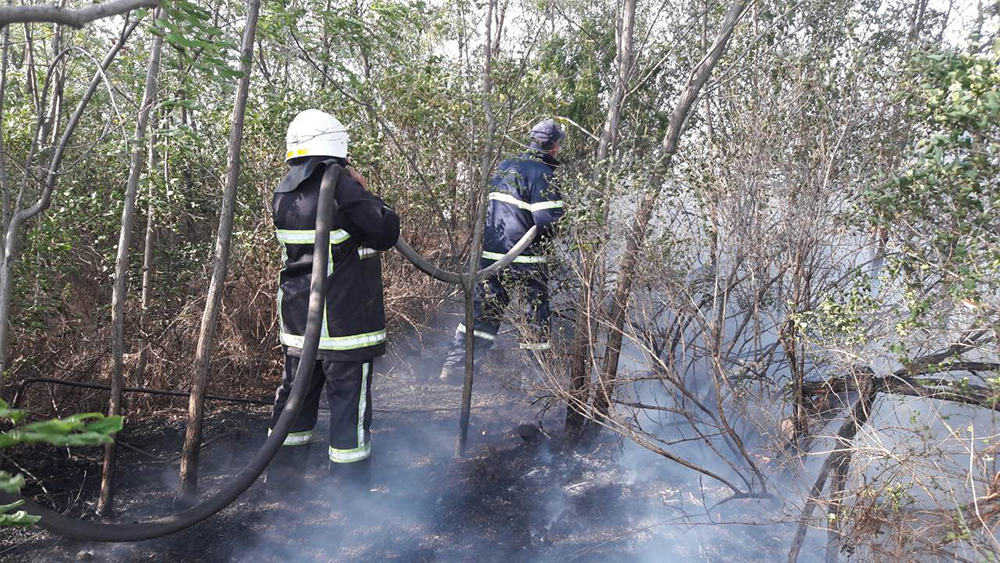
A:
60, 82
30, 70
147, 257
4, 185
105, 504
203, 357
917, 20
838, 461
469, 280
838, 481
579, 372
19, 217
640, 225
326, 51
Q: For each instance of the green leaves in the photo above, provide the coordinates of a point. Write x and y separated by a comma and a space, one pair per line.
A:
946, 194
19, 518
78, 430
88, 429
10, 414
11, 484
842, 315
189, 29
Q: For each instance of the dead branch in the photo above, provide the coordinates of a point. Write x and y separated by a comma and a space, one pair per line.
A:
74, 18
914, 385
837, 461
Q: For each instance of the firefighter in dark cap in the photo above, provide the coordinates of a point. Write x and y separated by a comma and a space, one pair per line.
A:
522, 195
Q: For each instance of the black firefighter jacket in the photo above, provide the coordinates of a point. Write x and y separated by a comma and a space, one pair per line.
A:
354, 318
522, 195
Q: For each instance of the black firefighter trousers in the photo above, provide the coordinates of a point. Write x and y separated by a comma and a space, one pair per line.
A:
348, 392
493, 295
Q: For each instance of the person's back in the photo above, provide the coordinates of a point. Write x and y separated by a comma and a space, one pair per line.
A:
522, 196
353, 330
355, 320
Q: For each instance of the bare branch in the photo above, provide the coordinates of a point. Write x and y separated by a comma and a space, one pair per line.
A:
73, 18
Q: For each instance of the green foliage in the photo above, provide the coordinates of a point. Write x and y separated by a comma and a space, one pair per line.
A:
841, 315
89, 429
898, 496
191, 30
19, 518
77, 430
947, 196
576, 67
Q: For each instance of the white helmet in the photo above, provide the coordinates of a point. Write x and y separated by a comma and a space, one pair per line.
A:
315, 133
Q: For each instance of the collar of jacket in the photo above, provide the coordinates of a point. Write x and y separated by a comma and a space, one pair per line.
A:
300, 169
538, 154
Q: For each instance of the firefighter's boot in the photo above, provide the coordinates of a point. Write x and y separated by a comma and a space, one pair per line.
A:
286, 473
351, 478
453, 371
349, 486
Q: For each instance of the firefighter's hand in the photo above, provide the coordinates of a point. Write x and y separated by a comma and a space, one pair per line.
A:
358, 177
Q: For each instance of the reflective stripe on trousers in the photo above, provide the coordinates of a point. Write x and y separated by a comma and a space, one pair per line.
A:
348, 391
295, 438
364, 447
478, 333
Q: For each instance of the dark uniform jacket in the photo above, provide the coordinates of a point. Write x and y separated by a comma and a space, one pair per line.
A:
522, 195
354, 319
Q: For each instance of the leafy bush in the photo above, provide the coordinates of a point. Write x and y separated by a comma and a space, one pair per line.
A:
89, 429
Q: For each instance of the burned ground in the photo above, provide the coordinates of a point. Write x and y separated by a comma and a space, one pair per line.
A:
508, 500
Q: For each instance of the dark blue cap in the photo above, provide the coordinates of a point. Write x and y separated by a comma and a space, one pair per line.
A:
545, 135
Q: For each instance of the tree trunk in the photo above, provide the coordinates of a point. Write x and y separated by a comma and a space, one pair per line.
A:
838, 462
579, 370
203, 357
105, 504
19, 217
917, 20
640, 225
469, 280
147, 259
4, 185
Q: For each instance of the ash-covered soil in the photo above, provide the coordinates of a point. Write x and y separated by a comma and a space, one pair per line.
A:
508, 500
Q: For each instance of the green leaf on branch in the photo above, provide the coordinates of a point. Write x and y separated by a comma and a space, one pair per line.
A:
10, 414
11, 484
19, 518
88, 429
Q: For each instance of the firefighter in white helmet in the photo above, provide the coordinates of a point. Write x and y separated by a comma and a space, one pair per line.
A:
353, 332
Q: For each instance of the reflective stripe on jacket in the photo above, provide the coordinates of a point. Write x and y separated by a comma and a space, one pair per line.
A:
354, 316
522, 195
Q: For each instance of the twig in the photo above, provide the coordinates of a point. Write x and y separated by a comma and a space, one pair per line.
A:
19, 544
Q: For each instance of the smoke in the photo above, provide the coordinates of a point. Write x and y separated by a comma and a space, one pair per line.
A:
510, 499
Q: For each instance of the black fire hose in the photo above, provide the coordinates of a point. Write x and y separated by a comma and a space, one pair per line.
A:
454, 278
96, 531
19, 394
